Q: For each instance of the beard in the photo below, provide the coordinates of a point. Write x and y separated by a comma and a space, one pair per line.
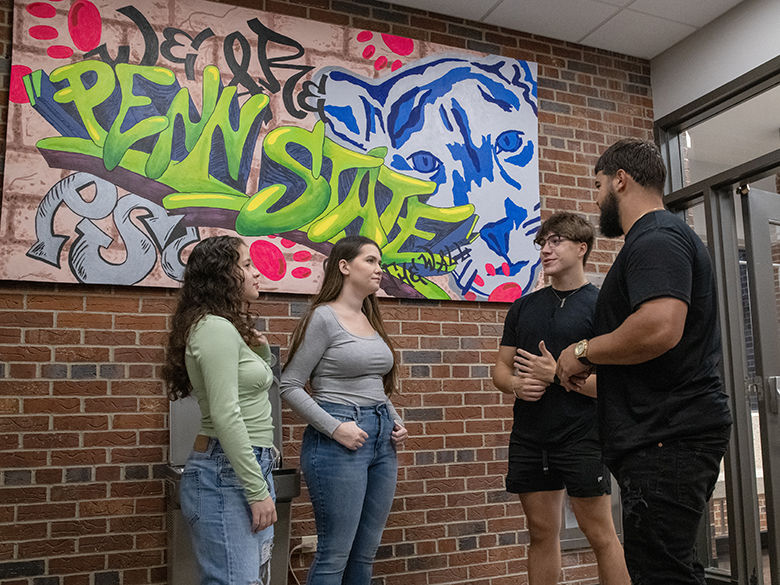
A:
609, 221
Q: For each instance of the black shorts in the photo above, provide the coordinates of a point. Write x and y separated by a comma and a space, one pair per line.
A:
577, 465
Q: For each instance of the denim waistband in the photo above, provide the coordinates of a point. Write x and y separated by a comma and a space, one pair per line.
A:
215, 448
357, 411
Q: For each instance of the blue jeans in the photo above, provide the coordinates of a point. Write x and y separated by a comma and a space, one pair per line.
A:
214, 505
664, 489
351, 492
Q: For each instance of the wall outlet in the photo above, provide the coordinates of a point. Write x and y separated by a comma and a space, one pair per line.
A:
309, 543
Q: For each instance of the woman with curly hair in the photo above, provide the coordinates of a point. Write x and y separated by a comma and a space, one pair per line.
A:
214, 353
348, 453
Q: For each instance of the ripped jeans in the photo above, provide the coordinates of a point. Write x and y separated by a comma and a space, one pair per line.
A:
664, 489
220, 520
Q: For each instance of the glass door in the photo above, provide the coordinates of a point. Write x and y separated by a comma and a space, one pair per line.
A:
761, 216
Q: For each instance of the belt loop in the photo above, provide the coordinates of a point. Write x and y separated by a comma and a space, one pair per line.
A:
357, 414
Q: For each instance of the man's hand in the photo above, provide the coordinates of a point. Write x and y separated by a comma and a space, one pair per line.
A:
263, 514
350, 435
526, 387
541, 367
571, 371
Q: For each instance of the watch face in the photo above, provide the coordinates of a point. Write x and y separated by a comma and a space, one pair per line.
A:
579, 349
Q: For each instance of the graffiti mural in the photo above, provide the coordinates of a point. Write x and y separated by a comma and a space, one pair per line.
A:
128, 142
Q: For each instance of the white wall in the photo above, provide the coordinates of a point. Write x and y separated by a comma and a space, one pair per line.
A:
740, 40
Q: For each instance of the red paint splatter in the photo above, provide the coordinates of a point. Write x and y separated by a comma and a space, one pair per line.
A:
369, 51
268, 259
59, 52
301, 272
490, 269
505, 269
396, 65
399, 45
380, 63
43, 32
302, 256
84, 25
16, 92
364, 36
507, 292
470, 296
287, 243
478, 280
42, 10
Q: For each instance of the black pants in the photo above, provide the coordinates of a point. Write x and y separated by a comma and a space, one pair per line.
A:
664, 489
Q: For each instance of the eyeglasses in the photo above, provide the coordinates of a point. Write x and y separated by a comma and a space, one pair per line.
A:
554, 240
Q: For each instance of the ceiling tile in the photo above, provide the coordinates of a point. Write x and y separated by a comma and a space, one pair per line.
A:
468, 9
693, 13
637, 34
543, 17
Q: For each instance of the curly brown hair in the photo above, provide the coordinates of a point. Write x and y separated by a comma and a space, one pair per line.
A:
213, 283
346, 249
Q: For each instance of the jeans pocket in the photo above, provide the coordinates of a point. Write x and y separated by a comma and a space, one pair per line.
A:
189, 495
226, 475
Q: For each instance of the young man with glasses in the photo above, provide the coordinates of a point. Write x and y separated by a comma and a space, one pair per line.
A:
554, 442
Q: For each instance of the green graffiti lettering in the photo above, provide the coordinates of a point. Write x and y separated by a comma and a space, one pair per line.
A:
84, 98
118, 142
160, 158
194, 169
258, 217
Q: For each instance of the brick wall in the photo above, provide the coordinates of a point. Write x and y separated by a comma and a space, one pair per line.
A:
83, 417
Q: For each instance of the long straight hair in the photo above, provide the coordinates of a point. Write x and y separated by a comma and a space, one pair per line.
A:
347, 249
213, 284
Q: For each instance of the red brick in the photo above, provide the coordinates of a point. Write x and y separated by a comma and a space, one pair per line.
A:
79, 387
45, 548
106, 508
47, 512
19, 532
79, 457
9, 335
11, 301
112, 338
84, 423
24, 459
136, 388
112, 304
52, 405
76, 564
141, 322
84, 320
26, 319
136, 455
50, 440
55, 302
110, 404
81, 354
138, 421
25, 353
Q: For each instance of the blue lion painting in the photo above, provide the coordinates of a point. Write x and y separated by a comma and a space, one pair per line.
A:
469, 125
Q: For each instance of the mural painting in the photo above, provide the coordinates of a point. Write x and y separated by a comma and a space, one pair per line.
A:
129, 141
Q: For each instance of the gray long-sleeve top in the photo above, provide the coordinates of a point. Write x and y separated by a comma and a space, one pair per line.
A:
343, 368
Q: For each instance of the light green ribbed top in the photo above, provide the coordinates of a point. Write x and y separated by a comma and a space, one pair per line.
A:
230, 381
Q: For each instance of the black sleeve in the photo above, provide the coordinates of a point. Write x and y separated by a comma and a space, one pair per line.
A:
660, 264
509, 337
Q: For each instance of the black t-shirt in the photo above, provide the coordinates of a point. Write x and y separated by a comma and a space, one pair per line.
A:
559, 416
678, 394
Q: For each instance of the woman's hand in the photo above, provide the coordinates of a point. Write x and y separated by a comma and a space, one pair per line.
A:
350, 435
263, 514
541, 367
259, 339
399, 434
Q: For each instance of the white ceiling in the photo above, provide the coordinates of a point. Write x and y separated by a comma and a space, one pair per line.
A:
641, 28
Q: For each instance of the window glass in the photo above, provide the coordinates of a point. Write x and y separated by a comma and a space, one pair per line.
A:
735, 136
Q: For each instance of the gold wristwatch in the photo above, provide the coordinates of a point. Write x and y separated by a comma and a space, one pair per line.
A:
581, 352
